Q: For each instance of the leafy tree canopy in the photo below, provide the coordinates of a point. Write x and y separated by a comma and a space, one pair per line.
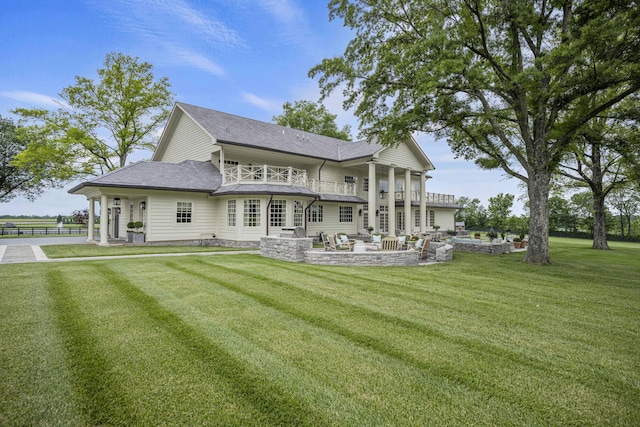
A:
103, 121
28, 178
311, 117
508, 83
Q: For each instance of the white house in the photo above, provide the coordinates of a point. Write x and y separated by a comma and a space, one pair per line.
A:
219, 177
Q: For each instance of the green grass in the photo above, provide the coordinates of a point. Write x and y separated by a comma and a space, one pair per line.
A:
245, 340
91, 250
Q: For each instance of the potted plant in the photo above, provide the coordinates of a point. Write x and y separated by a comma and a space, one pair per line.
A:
138, 236
130, 232
523, 240
517, 242
477, 235
492, 235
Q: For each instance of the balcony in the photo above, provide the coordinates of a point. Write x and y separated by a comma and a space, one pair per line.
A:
446, 199
333, 187
265, 174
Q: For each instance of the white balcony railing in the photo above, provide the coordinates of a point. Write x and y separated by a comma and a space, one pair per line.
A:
265, 174
415, 196
333, 187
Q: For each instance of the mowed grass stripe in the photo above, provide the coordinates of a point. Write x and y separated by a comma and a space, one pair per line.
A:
515, 303
376, 387
163, 378
547, 367
102, 399
278, 406
475, 354
35, 382
287, 352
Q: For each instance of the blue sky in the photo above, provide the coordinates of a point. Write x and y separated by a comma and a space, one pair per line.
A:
245, 57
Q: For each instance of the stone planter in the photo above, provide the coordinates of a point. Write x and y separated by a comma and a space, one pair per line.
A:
138, 238
130, 236
517, 245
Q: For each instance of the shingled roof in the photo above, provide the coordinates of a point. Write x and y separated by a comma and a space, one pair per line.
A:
235, 130
189, 175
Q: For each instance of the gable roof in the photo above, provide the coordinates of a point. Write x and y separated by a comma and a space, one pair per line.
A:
189, 175
230, 129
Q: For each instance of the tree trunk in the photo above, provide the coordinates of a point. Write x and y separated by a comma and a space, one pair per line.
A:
538, 246
599, 222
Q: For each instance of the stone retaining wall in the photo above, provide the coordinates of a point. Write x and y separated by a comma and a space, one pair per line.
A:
285, 249
475, 246
376, 258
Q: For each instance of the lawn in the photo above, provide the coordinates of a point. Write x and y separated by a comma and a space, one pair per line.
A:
91, 250
244, 340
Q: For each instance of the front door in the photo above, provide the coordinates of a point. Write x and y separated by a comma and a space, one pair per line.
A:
116, 223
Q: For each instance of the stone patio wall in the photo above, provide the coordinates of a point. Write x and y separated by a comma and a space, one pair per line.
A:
285, 249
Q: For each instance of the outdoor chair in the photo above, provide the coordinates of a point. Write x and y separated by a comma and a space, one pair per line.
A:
377, 240
422, 246
390, 243
342, 241
327, 243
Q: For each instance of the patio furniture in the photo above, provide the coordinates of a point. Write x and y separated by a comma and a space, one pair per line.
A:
403, 242
377, 240
390, 243
422, 246
327, 243
344, 241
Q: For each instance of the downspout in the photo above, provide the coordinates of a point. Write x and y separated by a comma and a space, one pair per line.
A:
306, 210
320, 169
267, 219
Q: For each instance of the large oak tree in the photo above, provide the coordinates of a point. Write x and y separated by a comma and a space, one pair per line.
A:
103, 121
311, 117
508, 83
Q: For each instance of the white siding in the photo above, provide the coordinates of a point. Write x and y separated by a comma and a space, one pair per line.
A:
188, 142
401, 156
161, 221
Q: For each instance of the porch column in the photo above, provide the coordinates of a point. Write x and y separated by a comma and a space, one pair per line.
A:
372, 196
408, 224
104, 221
91, 220
392, 201
423, 202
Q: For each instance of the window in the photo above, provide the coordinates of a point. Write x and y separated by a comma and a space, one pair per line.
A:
131, 212
365, 216
231, 162
278, 213
183, 213
383, 186
252, 213
350, 179
365, 184
231, 213
298, 212
315, 213
400, 220
416, 215
384, 219
432, 218
346, 213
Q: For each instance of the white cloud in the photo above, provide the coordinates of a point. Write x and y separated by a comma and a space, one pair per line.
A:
178, 30
265, 104
37, 99
199, 61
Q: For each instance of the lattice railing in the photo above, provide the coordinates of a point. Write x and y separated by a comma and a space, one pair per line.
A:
267, 174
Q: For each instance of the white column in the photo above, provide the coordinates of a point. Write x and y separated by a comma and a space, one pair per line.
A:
92, 220
407, 202
423, 203
104, 221
373, 193
392, 200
